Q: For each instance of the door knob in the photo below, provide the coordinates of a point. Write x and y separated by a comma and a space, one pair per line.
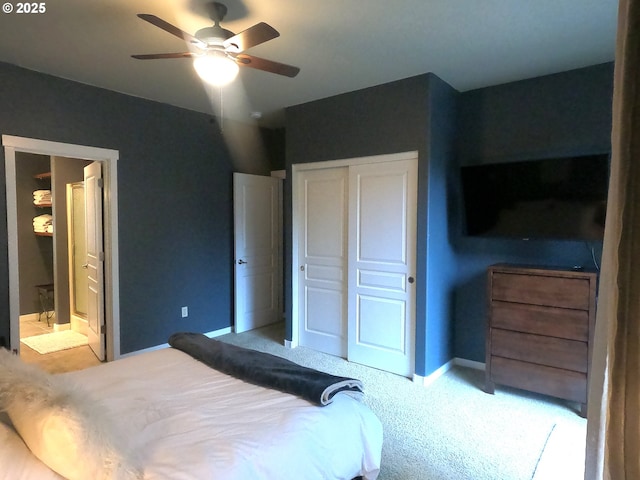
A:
86, 265
241, 262
410, 280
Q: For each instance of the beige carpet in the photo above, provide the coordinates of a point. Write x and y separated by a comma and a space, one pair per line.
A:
54, 342
452, 430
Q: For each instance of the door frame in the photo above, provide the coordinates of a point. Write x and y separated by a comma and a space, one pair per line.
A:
109, 160
296, 215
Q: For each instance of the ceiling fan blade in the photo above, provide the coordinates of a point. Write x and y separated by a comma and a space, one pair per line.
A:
172, 29
155, 56
252, 36
267, 65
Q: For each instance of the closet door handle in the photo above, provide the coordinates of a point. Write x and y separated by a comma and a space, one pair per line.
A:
410, 280
241, 262
85, 266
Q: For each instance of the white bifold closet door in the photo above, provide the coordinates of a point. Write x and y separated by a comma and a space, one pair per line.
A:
356, 233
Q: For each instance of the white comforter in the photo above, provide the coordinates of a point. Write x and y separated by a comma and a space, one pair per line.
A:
188, 421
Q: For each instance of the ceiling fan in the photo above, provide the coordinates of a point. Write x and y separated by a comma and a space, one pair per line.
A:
218, 52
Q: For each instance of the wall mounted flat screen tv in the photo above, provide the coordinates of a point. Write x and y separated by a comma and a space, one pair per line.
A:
556, 198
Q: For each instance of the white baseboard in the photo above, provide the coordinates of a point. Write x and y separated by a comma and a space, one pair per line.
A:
432, 377
212, 334
290, 343
217, 333
463, 362
28, 317
61, 327
455, 362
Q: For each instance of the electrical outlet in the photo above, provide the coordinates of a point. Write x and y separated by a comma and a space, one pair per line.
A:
185, 312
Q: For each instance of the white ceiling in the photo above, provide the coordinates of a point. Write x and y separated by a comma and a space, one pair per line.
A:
340, 46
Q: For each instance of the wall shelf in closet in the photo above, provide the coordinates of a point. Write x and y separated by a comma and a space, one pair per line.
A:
42, 203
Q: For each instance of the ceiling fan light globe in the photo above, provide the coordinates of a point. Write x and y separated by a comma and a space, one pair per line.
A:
216, 69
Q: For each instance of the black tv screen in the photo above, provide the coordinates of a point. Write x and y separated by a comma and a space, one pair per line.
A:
557, 198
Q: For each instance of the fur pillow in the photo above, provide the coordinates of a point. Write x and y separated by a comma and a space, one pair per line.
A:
62, 425
16, 459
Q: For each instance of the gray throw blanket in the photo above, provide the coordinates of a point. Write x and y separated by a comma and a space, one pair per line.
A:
265, 369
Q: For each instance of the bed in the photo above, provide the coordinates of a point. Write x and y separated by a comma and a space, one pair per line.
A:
181, 419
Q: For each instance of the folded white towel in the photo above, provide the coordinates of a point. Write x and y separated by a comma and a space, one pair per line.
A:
42, 197
43, 223
44, 219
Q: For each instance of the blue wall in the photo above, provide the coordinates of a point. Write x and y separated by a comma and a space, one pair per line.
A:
174, 205
395, 117
563, 114
441, 204
174, 178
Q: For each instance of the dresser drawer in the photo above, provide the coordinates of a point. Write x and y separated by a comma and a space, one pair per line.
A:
550, 321
539, 378
539, 328
541, 290
539, 349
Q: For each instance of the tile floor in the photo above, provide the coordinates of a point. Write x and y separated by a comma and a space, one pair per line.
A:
57, 362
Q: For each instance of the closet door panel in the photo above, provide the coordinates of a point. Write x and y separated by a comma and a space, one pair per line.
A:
383, 323
381, 201
323, 259
324, 312
382, 226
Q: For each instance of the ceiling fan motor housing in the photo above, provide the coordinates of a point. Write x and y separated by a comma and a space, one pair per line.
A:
215, 35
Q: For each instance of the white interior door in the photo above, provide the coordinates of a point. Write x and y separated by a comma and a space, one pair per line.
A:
95, 258
258, 251
322, 262
382, 244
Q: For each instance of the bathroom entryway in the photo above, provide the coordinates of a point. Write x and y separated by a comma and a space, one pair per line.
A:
59, 361
49, 238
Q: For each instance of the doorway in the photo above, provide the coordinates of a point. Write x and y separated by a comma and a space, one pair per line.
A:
47, 324
108, 162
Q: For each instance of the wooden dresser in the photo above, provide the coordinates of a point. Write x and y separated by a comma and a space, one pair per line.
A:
540, 329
